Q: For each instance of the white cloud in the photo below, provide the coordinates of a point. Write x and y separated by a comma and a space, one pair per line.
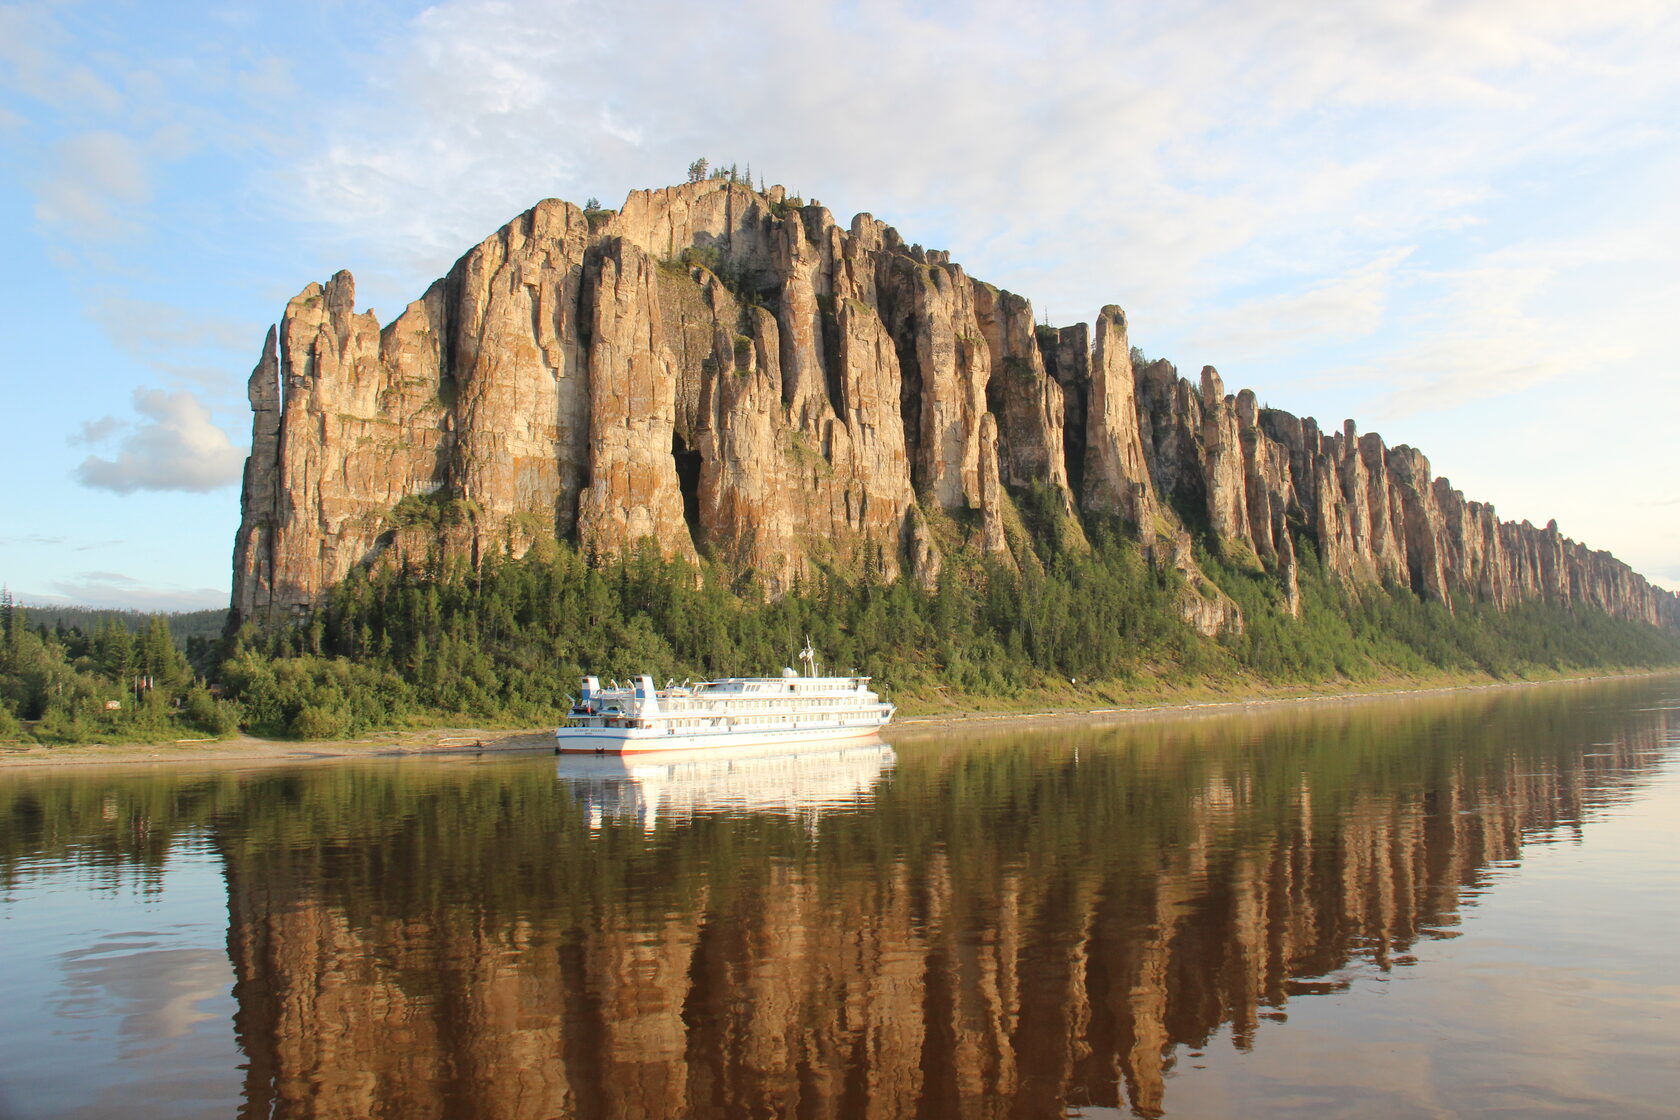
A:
176, 447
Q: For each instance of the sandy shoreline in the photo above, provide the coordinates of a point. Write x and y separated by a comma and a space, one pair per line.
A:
472, 742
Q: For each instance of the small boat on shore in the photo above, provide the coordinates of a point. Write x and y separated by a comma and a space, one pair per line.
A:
731, 711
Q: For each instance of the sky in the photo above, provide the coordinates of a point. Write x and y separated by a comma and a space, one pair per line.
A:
1456, 223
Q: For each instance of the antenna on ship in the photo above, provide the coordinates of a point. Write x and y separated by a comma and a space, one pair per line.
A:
809, 657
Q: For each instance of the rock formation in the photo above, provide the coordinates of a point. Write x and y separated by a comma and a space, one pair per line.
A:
734, 376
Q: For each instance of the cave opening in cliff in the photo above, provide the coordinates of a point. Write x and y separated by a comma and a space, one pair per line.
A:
688, 480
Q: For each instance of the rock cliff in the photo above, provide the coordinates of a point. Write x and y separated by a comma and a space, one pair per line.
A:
735, 376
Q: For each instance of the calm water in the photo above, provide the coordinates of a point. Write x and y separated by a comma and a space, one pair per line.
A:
1445, 906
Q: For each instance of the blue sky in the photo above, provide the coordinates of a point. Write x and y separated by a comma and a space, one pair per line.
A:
1458, 224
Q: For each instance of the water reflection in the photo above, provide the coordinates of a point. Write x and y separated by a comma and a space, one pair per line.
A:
676, 785
983, 925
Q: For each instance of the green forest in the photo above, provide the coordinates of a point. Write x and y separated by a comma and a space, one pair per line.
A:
107, 676
503, 645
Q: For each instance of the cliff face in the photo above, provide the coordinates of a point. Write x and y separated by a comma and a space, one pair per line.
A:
740, 379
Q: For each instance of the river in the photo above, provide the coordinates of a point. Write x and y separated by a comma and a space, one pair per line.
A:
1461, 904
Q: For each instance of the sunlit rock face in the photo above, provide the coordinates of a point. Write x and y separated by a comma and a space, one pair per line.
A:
742, 380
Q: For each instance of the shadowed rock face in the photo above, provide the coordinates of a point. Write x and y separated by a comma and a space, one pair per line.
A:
740, 379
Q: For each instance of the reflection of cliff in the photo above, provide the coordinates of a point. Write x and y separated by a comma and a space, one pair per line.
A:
1010, 929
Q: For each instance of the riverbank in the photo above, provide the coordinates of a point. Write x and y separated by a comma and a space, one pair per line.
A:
1074, 708
1200, 702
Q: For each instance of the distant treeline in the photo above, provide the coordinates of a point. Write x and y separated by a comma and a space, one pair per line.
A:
506, 643
183, 625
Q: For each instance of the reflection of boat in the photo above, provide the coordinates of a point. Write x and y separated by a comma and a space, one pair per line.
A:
732, 711
677, 785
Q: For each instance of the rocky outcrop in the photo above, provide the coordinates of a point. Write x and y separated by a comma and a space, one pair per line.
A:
736, 378
346, 440
1026, 400
1116, 472
633, 489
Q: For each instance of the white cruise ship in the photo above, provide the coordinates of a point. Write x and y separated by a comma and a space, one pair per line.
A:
733, 711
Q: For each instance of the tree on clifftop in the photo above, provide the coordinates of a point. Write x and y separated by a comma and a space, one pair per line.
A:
697, 170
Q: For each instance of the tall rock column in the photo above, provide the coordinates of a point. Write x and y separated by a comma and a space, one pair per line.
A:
1067, 359
746, 498
633, 491
353, 440
253, 547
1270, 491
1222, 462
1027, 401
1410, 482
521, 378
1117, 477
872, 451
993, 542
1386, 534
799, 321
1356, 493
946, 367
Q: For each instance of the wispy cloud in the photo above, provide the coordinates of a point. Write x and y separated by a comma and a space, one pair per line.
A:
95, 432
148, 326
1167, 153
1348, 305
184, 346
93, 182
37, 58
